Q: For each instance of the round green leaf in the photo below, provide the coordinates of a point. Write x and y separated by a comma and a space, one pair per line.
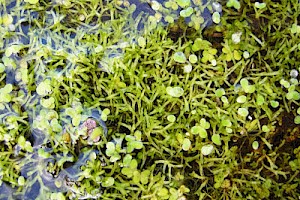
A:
145, 176
179, 57
265, 128
108, 182
260, 100
142, 42
171, 118
226, 122
21, 180
186, 12
96, 134
297, 119
207, 149
186, 144
2, 67
220, 92
260, 5
243, 112
241, 99
193, 58
183, 3
274, 104
7, 89
110, 148
255, 145
175, 91
216, 138
216, 17
199, 130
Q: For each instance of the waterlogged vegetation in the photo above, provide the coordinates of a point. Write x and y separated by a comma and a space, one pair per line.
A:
172, 99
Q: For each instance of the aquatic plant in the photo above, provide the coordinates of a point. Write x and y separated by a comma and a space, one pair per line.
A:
159, 100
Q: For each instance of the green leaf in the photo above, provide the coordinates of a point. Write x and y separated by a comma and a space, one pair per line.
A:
186, 12
129, 138
110, 148
255, 145
2, 67
241, 99
204, 123
136, 177
197, 129
179, 57
13, 49
226, 122
97, 133
76, 119
274, 104
175, 91
127, 159
9, 62
104, 117
7, 89
183, 3
5, 97
297, 119
43, 154
7, 19
216, 17
186, 144
48, 103
246, 86
108, 182
171, 118
233, 3
284, 83
260, 100
28, 147
145, 177
127, 172
260, 5
200, 44
163, 193
220, 92
169, 19
293, 95
215, 138
134, 145
115, 157
193, 58
243, 112
138, 135
55, 125
265, 128
187, 68
44, 88
21, 180
32, 1
207, 149
21, 141
155, 5
141, 42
